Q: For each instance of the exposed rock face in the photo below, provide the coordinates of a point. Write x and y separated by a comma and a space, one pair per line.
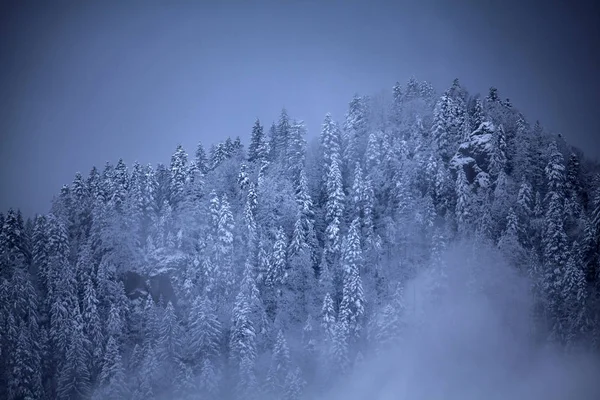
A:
474, 154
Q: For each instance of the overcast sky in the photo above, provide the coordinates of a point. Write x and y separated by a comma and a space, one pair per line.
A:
81, 84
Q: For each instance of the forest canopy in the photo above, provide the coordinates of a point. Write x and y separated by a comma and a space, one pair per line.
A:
279, 268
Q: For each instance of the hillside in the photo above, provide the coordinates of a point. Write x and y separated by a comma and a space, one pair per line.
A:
412, 234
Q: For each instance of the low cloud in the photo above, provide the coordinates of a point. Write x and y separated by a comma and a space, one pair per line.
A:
475, 343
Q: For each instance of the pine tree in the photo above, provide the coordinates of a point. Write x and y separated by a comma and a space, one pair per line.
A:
391, 324
20, 345
575, 199
149, 194
463, 214
26, 375
201, 160
40, 249
368, 226
352, 307
185, 384
574, 296
106, 183
208, 381
448, 119
238, 147
256, 302
477, 117
397, 94
525, 201
228, 147
295, 150
250, 222
373, 154
331, 141
112, 377
339, 349
93, 185
301, 282
62, 298
115, 324
280, 366
92, 327
169, 339
248, 384
333, 216
442, 125
298, 242
218, 154
9, 340
243, 180
148, 376
357, 191
74, 375
62, 208
120, 185
509, 242
204, 330
136, 203
279, 137
242, 344
498, 162
277, 271
178, 176
555, 170
492, 95
263, 259
554, 239
12, 242
294, 385
308, 343
257, 143
81, 203
328, 319
355, 127
223, 228
307, 216
592, 237
387, 328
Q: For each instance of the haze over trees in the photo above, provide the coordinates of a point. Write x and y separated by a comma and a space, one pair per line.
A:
274, 270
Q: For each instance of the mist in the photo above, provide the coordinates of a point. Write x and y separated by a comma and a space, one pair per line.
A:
472, 343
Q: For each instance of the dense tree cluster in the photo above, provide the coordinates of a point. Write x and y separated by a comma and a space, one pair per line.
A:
270, 272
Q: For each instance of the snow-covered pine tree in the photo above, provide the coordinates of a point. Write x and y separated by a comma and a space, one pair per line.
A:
279, 368
574, 298
242, 344
279, 138
328, 319
295, 150
178, 176
554, 239
205, 332
333, 216
112, 380
257, 143
463, 202
92, 328
74, 375
352, 306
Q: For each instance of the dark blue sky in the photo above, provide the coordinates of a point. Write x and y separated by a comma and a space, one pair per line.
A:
83, 84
